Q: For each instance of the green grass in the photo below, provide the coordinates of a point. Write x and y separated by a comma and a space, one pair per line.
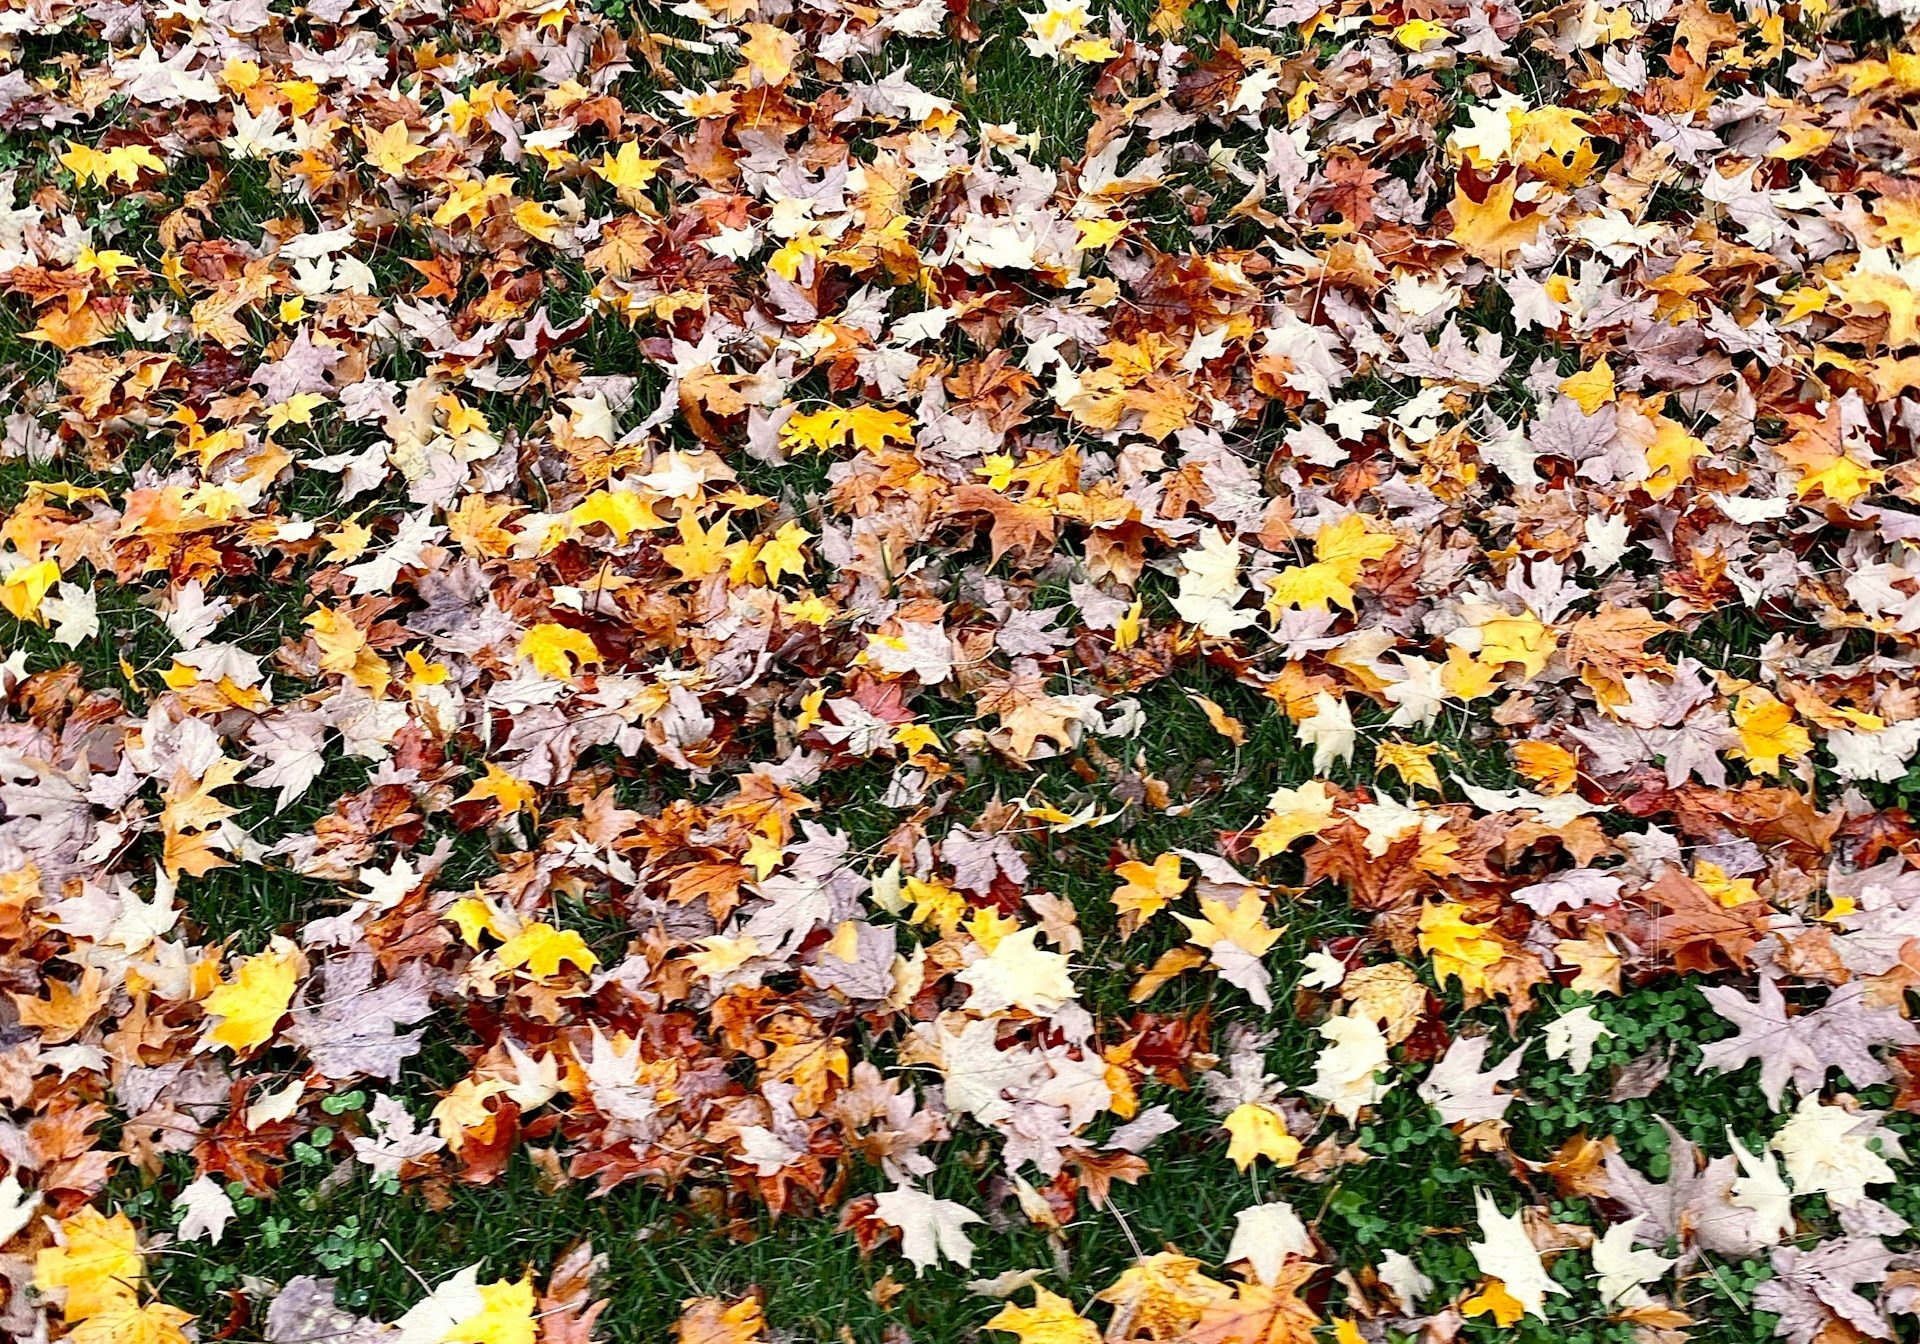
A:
1416, 1195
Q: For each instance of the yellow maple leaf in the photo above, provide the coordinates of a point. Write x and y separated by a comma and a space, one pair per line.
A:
866, 427
1592, 387
1050, 1320
1466, 679
97, 1264
505, 1316
1546, 764
623, 512
817, 430
871, 428
1418, 34
1342, 549
769, 52
1258, 1130
73, 326
1488, 230
555, 649
474, 915
1729, 891
786, 553
1460, 951
1412, 761
1522, 639
1767, 731
1671, 456
541, 949
1308, 587
701, 551
1148, 889
390, 150
343, 649
513, 795
133, 1323
106, 263
27, 587
1244, 925
255, 998
1494, 1299
1096, 234
538, 222
1292, 813
1840, 479
624, 170
122, 163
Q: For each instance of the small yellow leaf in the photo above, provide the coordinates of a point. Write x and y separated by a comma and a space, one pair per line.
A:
786, 553
98, 1264
513, 795
1767, 731
1148, 889
1591, 387
1493, 1298
1050, 1320
27, 587
1547, 764
255, 998
1258, 1130
555, 649
541, 949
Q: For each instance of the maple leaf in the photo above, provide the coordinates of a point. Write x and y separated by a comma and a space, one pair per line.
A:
1235, 938
1622, 1269
1488, 229
253, 1001
1814, 1289
1148, 889
1257, 1130
1050, 1320
929, 1228
1161, 1296
1840, 1035
1028, 713
390, 150
541, 950
785, 553
1700, 1202
1460, 951
1832, 1151
134, 1323
1018, 974
462, 1310
208, 1210
1767, 731
1461, 1092
26, 588
1261, 1313
1506, 1253
1346, 1072
1266, 1235
555, 649
1698, 928
1291, 814
710, 1320
1210, 586
353, 1027
96, 1265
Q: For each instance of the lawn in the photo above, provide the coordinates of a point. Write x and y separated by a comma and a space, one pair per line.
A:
914, 672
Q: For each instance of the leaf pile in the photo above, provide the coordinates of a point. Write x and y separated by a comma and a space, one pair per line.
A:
925, 619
